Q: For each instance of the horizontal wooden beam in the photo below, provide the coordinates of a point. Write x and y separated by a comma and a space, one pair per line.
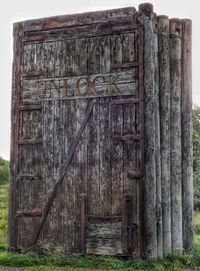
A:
27, 177
104, 218
126, 137
34, 213
30, 107
125, 65
29, 141
125, 101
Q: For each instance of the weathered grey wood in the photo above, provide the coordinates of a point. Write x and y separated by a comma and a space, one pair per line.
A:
103, 237
131, 154
125, 25
164, 95
124, 151
150, 221
64, 168
186, 121
80, 171
95, 85
105, 181
79, 19
58, 206
175, 135
17, 51
69, 180
47, 168
157, 150
83, 213
92, 162
117, 158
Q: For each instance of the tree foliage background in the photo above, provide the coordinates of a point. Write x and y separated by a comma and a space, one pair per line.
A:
4, 171
196, 155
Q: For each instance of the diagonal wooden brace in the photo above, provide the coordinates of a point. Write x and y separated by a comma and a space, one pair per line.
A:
63, 171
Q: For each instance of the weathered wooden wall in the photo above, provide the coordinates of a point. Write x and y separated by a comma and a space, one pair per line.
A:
167, 66
101, 153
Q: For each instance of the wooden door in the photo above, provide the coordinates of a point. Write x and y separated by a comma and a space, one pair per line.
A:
78, 130
112, 198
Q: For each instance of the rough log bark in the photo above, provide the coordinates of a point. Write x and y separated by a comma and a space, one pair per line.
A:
175, 134
150, 219
17, 52
164, 89
186, 111
158, 158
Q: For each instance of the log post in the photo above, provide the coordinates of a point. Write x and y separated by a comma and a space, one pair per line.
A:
175, 135
157, 153
17, 51
186, 111
164, 92
149, 181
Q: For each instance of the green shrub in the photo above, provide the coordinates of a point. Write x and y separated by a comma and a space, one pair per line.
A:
4, 171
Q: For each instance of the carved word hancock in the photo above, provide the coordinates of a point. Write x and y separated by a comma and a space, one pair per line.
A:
121, 83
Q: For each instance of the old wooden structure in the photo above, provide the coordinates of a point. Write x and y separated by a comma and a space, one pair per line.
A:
101, 152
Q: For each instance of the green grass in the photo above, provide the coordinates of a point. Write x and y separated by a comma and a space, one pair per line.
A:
3, 215
33, 262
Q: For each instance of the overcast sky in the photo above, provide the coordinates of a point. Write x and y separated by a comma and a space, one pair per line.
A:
13, 11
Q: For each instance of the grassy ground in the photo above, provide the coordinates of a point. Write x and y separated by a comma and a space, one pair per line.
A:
33, 262
3, 214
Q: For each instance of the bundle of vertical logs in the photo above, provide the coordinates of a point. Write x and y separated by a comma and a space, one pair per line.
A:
168, 185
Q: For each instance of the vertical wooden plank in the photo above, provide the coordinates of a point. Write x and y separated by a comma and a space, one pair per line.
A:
83, 223
57, 58
157, 151
117, 163
104, 157
69, 181
116, 49
47, 166
58, 205
105, 54
40, 57
150, 219
131, 157
36, 133
17, 49
62, 58
80, 164
140, 130
125, 224
80, 56
175, 135
49, 59
93, 193
69, 57
186, 133
93, 55
164, 93
128, 47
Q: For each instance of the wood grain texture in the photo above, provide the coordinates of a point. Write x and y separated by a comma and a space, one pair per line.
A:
158, 150
186, 122
16, 69
150, 221
164, 95
175, 136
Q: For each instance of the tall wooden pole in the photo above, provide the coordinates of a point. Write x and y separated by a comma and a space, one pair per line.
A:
157, 153
150, 219
164, 92
186, 111
175, 135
